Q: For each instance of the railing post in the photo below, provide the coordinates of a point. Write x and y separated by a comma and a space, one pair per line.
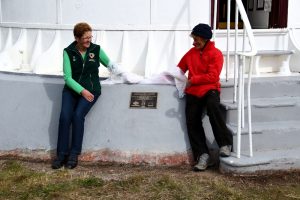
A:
235, 53
249, 107
239, 123
228, 37
215, 18
244, 61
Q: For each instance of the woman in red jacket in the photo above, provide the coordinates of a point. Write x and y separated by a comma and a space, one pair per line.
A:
204, 63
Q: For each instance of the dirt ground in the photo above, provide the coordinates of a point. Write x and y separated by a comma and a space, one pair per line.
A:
115, 171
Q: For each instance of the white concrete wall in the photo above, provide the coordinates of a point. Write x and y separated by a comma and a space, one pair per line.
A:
30, 107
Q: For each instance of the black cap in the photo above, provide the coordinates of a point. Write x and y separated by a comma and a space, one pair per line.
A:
202, 30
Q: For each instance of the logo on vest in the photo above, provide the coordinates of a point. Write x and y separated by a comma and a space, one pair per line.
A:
92, 55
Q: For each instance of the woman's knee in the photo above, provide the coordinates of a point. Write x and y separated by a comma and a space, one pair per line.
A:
78, 116
65, 117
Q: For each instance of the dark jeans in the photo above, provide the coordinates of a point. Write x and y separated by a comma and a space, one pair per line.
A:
74, 108
194, 110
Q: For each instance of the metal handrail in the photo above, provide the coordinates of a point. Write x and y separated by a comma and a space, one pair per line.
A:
248, 29
240, 75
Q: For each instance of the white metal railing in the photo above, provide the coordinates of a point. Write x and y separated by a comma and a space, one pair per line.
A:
1, 12
239, 65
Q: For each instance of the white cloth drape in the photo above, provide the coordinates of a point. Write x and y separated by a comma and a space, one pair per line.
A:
174, 76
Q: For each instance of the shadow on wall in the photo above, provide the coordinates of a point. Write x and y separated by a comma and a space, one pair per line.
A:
54, 94
179, 114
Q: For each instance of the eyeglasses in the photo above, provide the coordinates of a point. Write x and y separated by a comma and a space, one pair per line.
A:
87, 38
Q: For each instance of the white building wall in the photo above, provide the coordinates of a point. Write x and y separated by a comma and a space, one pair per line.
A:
113, 12
29, 11
293, 14
110, 13
145, 36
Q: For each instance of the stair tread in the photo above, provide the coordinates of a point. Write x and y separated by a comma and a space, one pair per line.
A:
276, 80
263, 157
260, 127
265, 52
286, 101
275, 103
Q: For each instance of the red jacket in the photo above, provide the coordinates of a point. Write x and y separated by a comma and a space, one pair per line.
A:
204, 68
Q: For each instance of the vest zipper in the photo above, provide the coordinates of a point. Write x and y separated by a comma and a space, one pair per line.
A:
82, 64
82, 68
81, 73
91, 82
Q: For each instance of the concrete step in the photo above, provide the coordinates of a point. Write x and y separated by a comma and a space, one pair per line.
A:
275, 104
266, 87
283, 159
265, 109
269, 135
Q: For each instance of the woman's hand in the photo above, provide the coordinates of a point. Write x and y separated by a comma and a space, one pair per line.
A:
87, 95
188, 83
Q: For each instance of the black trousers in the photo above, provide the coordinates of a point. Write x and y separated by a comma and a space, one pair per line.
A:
194, 110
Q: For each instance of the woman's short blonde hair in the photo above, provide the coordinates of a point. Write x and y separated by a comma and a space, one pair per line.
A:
81, 28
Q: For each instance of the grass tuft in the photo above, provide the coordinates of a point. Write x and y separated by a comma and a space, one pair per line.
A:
91, 182
132, 183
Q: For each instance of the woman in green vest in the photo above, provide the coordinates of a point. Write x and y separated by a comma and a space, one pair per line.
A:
81, 60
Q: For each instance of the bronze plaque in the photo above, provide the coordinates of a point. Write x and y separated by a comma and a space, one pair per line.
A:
143, 100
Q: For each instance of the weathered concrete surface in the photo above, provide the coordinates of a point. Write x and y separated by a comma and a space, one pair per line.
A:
106, 155
30, 106
282, 159
275, 126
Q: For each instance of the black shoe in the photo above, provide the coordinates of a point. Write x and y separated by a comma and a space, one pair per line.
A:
72, 162
58, 162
